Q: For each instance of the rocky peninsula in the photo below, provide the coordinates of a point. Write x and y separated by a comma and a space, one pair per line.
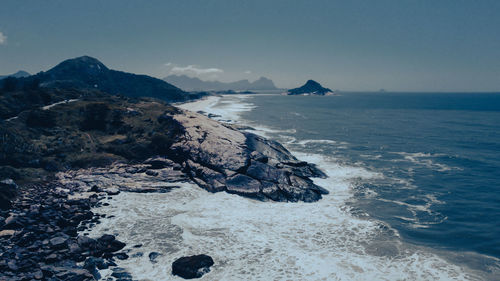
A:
68, 148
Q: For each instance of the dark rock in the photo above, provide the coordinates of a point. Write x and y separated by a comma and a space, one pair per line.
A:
311, 87
13, 222
86, 242
120, 274
38, 274
8, 191
58, 242
159, 163
95, 188
192, 266
74, 274
137, 255
263, 171
151, 173
121, 256
92, 264
241, 184
108, 243
152, 256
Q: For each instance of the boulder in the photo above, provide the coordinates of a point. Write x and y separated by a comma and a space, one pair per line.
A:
58, 242
192, 267
153, 255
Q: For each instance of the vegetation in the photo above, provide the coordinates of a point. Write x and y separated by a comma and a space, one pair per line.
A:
95, 130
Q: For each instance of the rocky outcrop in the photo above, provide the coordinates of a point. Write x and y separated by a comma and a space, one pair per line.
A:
192, 267
215, 156
220, 158
311, 87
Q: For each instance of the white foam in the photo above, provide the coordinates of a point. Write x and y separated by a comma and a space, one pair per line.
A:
252, 240
227, 108
424, 159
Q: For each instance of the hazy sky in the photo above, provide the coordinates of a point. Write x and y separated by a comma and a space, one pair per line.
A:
433, 45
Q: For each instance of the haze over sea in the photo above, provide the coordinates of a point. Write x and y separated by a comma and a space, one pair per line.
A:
414, 181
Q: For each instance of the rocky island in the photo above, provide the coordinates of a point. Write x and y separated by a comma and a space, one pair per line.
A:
311, 87
66, 144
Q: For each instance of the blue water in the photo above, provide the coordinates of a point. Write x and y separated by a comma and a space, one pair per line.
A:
438, 154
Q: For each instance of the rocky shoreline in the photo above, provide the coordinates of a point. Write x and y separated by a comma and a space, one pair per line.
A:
39, 239
39, 229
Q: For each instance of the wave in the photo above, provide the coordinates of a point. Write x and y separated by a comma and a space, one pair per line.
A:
253, 240
425, 159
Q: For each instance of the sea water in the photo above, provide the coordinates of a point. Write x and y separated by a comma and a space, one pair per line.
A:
414, 195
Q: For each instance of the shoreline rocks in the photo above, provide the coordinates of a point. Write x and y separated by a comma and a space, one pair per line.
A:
192, 267
39, 236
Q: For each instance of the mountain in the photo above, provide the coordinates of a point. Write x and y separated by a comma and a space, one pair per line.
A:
195, 84
311, 87
19, 74
89, 73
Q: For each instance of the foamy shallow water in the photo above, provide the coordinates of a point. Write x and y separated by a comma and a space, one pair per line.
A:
253, 240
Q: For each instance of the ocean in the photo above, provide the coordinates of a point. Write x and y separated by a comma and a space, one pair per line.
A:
414, 181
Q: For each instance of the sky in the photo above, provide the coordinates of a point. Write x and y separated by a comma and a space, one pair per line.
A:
353, 45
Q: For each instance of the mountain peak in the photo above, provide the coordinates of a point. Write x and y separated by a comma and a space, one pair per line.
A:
196, 84
83, 64
311, 87
19, 74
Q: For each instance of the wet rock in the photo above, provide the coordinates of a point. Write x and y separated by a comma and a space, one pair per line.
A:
245, 185
93, 265
153, 255
120, 274
108, 243
192, 267
121, 256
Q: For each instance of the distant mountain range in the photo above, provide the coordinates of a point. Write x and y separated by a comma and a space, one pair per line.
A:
311, 87
195, 84
89, 73
19, 74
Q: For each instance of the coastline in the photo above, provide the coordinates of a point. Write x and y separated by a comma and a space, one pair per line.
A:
142, 206
193, 223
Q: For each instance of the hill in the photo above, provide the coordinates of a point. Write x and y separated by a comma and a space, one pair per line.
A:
196, 84
311, 87
89, 73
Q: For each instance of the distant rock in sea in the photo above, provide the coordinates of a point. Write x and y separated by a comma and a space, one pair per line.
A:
195, 84
19, 74
311, 87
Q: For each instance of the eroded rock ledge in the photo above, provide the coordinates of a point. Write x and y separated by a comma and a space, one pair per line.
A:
215, 156
220, 158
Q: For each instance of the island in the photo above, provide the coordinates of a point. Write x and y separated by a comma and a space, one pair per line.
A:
311, 87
